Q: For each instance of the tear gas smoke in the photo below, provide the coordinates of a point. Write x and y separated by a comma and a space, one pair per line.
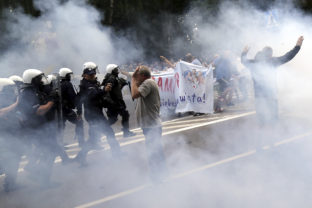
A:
58, 40
65, 35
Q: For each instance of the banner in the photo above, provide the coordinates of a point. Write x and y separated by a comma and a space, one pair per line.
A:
193, 88
166, 82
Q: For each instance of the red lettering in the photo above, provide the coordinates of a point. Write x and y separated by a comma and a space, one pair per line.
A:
170, 85
167, 85
177, 77
160, 83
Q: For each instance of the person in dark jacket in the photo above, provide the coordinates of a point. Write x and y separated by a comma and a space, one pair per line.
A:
118, 105
70, 101
35, 106
10, 144
264, 74
92, 98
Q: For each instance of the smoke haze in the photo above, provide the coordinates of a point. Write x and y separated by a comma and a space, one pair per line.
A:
68, 34
65, 35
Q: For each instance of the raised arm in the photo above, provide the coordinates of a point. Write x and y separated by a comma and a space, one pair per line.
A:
135, 85
289, 55
167, 62
7, 110
43, 109
244, 59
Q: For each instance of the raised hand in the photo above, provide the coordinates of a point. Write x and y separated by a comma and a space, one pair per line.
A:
246, 49
299, 41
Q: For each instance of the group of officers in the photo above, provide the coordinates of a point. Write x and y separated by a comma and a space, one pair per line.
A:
35, 107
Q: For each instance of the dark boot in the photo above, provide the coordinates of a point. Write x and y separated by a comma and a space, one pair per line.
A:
127, 133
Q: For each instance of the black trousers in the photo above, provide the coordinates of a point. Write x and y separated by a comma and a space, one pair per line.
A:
97, 127
71, 116
10, 155
112, 114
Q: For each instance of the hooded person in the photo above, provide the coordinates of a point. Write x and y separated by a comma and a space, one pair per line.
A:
119, 106
264, 75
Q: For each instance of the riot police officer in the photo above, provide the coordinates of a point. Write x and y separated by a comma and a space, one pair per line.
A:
35, 107
55, 118
70, 101
10, 146
92, 98
118, 106
17, 80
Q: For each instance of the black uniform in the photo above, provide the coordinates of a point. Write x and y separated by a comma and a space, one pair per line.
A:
70, 101
264, 74
118, 106
11, 148
91, 96
39, 132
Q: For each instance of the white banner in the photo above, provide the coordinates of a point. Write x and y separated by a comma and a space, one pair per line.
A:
166, 82
194, 88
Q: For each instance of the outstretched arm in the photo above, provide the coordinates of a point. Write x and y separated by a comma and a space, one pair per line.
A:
244, 59
7, 110
43, 109
289, 55
167, 61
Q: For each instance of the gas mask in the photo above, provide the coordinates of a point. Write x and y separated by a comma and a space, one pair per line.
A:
115, 71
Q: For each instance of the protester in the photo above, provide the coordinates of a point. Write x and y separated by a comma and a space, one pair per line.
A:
264, 74
146, 91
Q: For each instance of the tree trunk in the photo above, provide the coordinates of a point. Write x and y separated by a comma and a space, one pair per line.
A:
111, 12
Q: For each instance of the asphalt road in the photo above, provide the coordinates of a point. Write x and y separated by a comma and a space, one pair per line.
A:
223, 160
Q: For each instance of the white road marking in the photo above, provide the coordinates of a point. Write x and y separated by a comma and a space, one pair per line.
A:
112, 197
140, 138
193, 171
179, 130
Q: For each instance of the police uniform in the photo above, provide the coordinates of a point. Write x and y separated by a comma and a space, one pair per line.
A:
119, 106
91, 96
70, 101
11, 148
39, 132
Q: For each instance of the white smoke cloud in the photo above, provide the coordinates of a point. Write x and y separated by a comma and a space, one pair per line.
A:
65, 35
70, 34
241, 24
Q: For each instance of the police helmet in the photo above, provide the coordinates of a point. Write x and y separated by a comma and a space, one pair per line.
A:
50, 79
30, 74
8, 92
6, 82
111, 67
64, 72
90, 68
16, 78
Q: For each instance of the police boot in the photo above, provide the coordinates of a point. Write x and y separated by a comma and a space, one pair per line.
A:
125, 129
127, 133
